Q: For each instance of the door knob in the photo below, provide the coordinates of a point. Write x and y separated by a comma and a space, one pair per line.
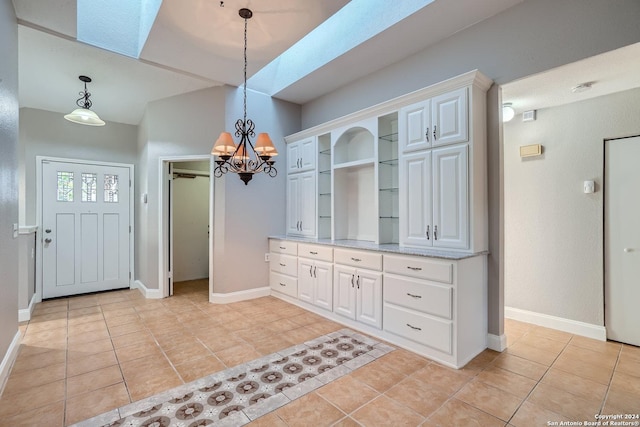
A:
47, 240
48, 230
627, 250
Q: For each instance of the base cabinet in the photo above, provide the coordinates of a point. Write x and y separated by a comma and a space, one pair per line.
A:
315, 283
357, 295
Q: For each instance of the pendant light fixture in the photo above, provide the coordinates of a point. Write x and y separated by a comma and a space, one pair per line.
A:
83, 115
245, 159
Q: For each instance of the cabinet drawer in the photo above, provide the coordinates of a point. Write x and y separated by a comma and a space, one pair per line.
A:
420, 267
430, 298
283, 247
420, 328
323, 253
285, 284
362, 259
285, 264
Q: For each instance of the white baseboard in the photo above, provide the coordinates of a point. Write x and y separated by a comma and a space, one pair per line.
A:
8, 359
24, 314
566, 325
148, 293
240, 295
497, 342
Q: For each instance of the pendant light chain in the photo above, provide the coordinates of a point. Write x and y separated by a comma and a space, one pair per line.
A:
245, 70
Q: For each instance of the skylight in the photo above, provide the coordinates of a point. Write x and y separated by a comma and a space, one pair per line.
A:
355, 23
121, 26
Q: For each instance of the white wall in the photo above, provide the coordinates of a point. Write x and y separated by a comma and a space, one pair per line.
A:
8, 181
45, 133
190, 199
531, 37
553, 231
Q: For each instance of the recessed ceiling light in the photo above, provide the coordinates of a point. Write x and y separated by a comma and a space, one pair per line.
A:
582, 87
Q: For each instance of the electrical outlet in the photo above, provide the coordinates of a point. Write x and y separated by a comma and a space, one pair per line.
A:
266, 257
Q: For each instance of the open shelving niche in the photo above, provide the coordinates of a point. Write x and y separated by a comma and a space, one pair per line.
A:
388, 202
324, 186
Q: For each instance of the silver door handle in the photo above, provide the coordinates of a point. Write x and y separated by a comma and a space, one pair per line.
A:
434, 132
355, 259
414, 296
426, 134
352, 277
358, 282
435, 232
427, 232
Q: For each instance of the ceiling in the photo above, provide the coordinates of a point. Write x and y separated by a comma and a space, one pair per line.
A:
194, 44
200, 46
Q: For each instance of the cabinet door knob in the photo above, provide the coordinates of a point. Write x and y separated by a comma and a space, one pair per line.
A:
434, 132
47, 240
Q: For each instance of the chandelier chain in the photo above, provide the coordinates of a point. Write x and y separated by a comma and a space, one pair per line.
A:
245, 70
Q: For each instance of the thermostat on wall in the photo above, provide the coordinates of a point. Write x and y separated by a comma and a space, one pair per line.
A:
530, 150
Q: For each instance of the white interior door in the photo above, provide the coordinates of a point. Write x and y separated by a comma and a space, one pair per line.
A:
86, 225
622, 240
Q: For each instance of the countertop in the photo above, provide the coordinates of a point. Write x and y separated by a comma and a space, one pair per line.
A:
387, 247
27, 229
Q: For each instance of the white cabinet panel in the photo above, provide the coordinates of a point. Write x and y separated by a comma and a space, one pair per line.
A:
285, 284
450, 197
427, 297
285, 264
323, 286
283, 247
319, 252
363, 259
415, 199
432, 332
344, 295
301, 204
414, 130
369, 298
301, 155
419, 267
305, 280
450, 118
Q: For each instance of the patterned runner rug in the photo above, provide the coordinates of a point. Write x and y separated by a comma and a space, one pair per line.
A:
241, 394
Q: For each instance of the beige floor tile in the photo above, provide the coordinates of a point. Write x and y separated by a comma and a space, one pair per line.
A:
272, 343
280, 326
515, 384
85, 319
220, 341
309, 410
144, 366
32, 398
237, 355
132, 338
384, 411
629, 365
137, 351
90, 404
418, 396
446, 379
564, 403
89, 337
269, 420
122, 320
630, 351
82, 302
39, 360
42, 309
93, 380
148, 383
44, 336
347, 393
38, 318
595, 345
254, 333
489, 399
530, 415
86, 311
92, 362
133, 326
378, 375
626, 383
404, 361
459, 414
83, 328
535, 354
574, 384
182, 354
49, 416
198, 368
604, 360
82, 349
480, 362
620, 402
549, 333
175, 338
347, 422
21, 381
301, 335
584, 369
47, 326
543, 343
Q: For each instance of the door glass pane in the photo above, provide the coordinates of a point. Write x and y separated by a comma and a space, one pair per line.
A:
65, 187
111, 188
89, 187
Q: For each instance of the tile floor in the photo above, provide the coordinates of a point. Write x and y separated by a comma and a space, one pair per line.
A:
85, 355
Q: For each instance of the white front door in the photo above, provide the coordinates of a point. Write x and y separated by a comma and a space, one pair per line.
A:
86, 228
622, 240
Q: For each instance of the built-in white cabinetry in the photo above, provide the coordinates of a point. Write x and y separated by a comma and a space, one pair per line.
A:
315, 275
357, 286
301, 155
440, 120
283, 275
301, 204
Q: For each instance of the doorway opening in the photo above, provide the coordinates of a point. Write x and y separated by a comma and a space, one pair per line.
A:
186, 218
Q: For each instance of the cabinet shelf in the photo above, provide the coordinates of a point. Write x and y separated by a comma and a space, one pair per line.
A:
354, 164
392, 137
389, 217
390, 162
325, 172
392, 189
326, 152
324, 194
324, 217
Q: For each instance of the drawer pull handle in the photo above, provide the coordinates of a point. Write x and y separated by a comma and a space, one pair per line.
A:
282, 284
313, 253
283, 247
283, 265
414, 327
355, 259
414, 296
414, 268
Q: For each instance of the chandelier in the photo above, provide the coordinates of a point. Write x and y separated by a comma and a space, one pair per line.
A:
245, 159
83, 115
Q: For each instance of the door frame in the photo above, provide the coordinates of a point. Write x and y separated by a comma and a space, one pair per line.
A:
163, 218
40, 220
